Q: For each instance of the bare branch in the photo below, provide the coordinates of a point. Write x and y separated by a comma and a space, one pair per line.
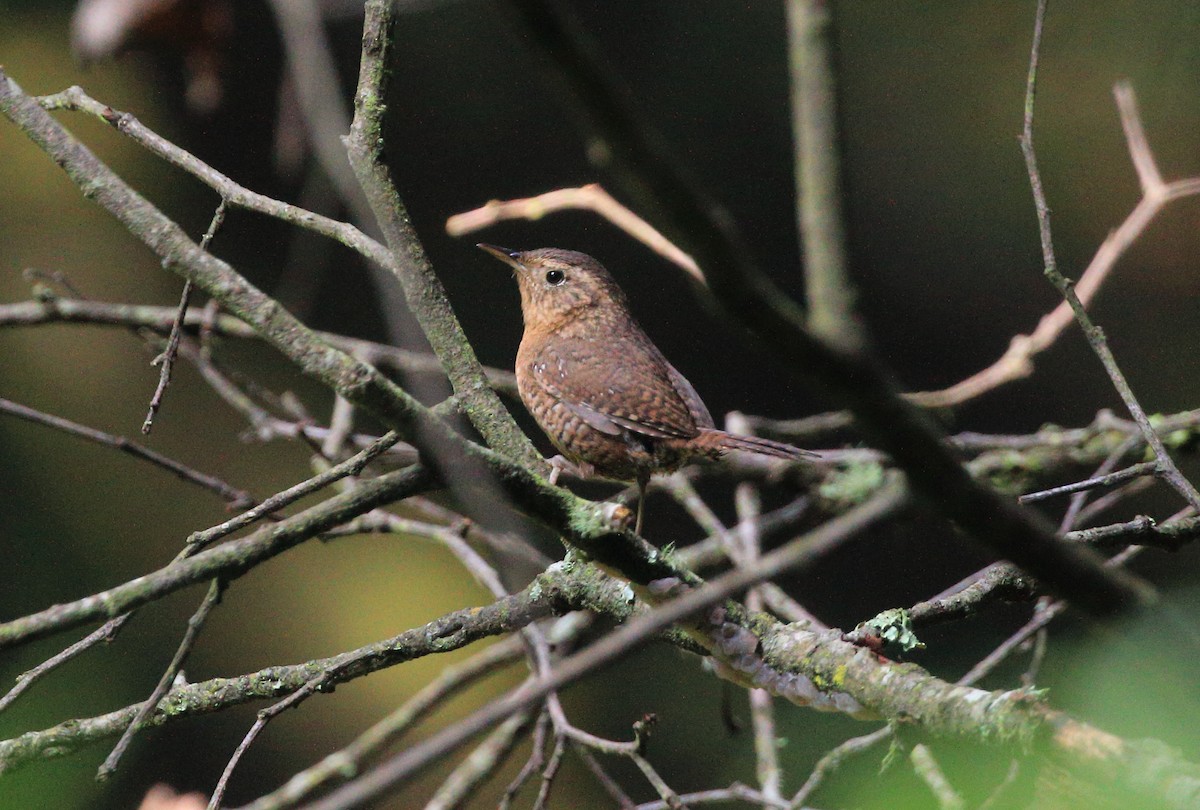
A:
1095, 336
237, 498
608, 649
74, 98
228, 561
105, 633
194, 626
480, 763
588, 198
449, 632
350, 759
834, 759
931, 774
422, 289
1016, 361
326, 115
733, 793
72, 310
167, 358
351, 466
1111, 479
817, 164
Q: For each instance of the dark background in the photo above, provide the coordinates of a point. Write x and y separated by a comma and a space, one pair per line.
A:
943, 244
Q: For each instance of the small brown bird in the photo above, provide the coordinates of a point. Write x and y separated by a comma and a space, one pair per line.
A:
598, 386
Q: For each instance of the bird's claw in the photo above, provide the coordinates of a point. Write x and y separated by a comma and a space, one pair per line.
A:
560, 464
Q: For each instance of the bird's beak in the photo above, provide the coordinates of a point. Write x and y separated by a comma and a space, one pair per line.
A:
505, 255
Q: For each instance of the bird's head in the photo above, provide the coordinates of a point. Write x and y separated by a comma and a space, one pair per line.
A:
558, 286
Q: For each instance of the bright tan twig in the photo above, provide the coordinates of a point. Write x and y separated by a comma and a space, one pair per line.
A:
588, 198
1016, 362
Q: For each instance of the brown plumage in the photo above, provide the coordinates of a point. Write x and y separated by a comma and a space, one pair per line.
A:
595, 382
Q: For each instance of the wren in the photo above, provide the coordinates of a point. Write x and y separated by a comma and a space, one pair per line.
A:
598, 386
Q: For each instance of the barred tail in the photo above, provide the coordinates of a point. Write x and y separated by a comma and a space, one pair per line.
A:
720, 440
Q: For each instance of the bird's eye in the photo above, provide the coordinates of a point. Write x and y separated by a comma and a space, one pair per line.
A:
555, 277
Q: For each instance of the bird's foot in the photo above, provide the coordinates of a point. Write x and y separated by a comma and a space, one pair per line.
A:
561, 464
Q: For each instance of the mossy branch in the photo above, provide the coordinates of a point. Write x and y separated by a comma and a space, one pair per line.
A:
423, 290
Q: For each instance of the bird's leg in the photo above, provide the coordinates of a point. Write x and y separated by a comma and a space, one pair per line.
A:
643, 480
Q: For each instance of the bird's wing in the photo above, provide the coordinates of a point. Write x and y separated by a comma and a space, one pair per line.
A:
696, 407
638, 392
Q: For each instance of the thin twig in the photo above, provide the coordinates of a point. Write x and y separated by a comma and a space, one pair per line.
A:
1004, 581
230, 560
1041, 618
686, 496
1046, 612
1037, 654
1071, 518
589, 198
194, 626
734, 793
575, 734
537, 758
167, 358
833, 760
1111, 479
804, 431
785, 607
74, 98
236, 498
747, 549
341, 425
1104, 503
711, 551
105, 633
1017, 360
489, 755
1000, 580
449, 536
605, 781
351, 466
1153, 190
997, 795
1171, 534
766, 744
265, 716
76, 310
326, 116
451, 680
931, 774
657, 782
548, 774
